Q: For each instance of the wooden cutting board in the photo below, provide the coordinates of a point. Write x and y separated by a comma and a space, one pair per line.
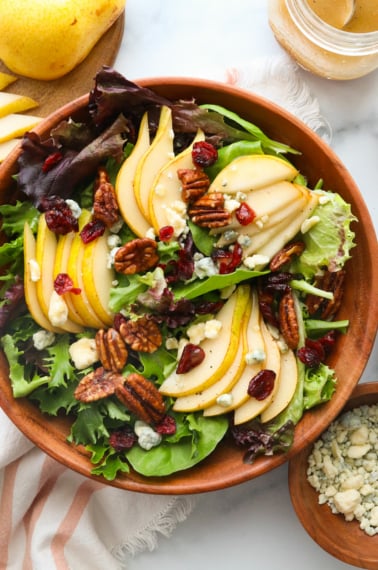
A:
53, 94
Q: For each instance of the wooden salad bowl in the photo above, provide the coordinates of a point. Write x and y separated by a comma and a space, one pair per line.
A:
225, 466
342, 539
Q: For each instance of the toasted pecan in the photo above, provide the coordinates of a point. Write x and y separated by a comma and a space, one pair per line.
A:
286, 254
136, 256
98, 384
105, 207
288, 321
111, 349
142, 335
331, 281
142, 398
209, 212
195, 183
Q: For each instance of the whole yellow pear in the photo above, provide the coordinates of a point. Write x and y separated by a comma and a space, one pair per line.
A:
45, 39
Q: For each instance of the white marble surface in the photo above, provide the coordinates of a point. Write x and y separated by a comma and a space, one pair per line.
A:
252, 525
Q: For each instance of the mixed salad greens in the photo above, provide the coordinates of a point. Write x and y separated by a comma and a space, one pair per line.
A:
65, 165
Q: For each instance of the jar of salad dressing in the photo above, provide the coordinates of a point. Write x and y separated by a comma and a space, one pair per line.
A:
336, 39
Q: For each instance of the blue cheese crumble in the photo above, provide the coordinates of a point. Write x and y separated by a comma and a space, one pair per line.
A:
343, 467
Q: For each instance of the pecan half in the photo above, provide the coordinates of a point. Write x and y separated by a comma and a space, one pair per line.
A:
195, 183
286, 254
142, 335
105, 207
332, 281
288, 321
97, 385
111, 349
209, 212
142, 398
136, 256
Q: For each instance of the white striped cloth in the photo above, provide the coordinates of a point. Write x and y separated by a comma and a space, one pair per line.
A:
53, 518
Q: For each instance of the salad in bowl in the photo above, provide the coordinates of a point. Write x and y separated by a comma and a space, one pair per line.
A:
172, 283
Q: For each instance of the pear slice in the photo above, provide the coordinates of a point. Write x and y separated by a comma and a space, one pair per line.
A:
12, 103
98, 277
286, 386
15, 125
74, 270
159, 153
124, 185
46, 246
63, 252
253, 407
6, 79
250, 172
166, 189
255, 344
220, 352
208, 396
6, 147
30, 284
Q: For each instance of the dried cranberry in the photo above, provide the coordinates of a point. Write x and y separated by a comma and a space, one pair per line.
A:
309, 356
166, 233
167, 426
229, 265
64, 284
92, 230
204, 154
328, 340
191, 356
244, 214
122, 439
206, 307
262, 384
317, 346
58, 215
51, 160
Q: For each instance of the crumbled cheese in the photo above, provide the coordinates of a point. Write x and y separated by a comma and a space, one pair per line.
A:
225, 400
58, 310
116, 227
196, 333
150, 233
35, 270
83, 353
42, 339
176, 215
255, 261
113, 241
212, 328
171, 343
147, 437
342, 467
244, 240
241, 196
110, 257
231, 205
205, 267
229, 236
74, 207
309, 223
257, 355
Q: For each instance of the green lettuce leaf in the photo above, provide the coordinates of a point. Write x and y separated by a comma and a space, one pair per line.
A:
319, 386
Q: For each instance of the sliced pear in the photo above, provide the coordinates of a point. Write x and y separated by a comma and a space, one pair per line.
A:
15, 125
286, 386
166, 188
253, 407
159, 153
12, 103
6, 147
6, 79
124, 185
30, 284
46, 246
63, 253
255, 343
74, 270
220, 352
98, 277
207, 397
250, 172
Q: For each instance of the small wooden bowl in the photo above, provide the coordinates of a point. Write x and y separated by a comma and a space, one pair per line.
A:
225, 466
342, 539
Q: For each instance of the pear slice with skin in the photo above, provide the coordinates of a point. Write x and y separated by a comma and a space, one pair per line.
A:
46, 246
98, 277
63, 252
6, 79
12, 103
124, 185
15, 125
207, 397
6, 147
30, 284
159, 153
286, 386
74, 270
251, 172
167, 187
255, 345
253, 407
220, 352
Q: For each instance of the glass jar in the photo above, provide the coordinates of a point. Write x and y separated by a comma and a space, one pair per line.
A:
319, 47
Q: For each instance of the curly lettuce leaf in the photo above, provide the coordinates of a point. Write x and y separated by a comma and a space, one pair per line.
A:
328, 242
319, 386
